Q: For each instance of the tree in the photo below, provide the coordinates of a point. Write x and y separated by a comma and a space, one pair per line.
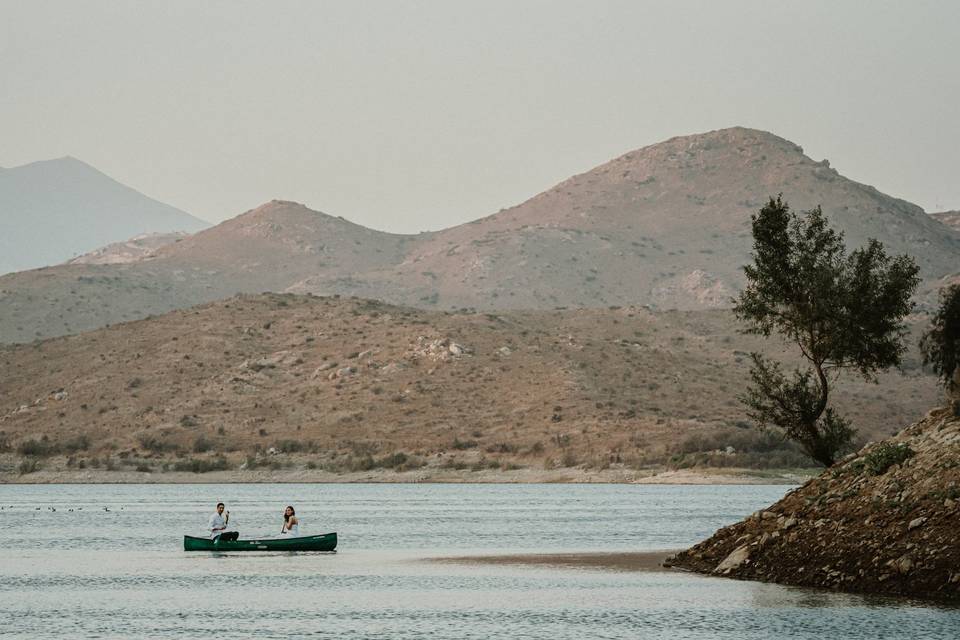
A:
941, 344
843, 311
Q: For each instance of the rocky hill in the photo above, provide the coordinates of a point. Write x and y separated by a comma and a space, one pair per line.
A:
883, 520
949, 218
135, 249
55, 210
347, 384
666, 226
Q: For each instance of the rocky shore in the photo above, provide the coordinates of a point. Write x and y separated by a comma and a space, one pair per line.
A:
882, 521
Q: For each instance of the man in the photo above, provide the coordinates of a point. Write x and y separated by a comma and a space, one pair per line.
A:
218, 525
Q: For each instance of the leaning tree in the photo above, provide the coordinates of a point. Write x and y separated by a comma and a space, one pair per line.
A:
941, 343
842, 311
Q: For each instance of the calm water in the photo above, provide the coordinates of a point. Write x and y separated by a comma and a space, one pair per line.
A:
108, 563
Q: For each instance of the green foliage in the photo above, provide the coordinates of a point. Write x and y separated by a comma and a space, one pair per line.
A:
195, 465
793, 406
202, 444
941, 344
156, 444
41, 448
295, 446
77, 443
885, 455
843, 311
30, 465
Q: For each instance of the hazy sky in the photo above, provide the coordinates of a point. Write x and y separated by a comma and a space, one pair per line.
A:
408, 116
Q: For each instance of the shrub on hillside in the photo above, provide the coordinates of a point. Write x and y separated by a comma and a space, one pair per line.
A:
28, 466
77, 443
202, 444
41, 448
156, 444
885, 455
195, 465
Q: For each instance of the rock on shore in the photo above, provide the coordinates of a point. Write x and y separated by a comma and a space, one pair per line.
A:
883, 520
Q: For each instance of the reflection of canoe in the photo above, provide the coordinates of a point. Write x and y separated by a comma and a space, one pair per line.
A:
325, 542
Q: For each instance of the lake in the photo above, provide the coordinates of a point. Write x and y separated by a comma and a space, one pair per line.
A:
106, 561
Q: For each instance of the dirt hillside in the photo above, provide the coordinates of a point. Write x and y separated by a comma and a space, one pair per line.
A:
949, 218
135, 249
883, 520
346, 383
666, 226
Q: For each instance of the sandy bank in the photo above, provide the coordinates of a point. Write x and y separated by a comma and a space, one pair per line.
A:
423, 475
616, 561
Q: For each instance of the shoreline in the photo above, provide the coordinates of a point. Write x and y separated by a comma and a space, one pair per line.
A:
647, 561
418, 476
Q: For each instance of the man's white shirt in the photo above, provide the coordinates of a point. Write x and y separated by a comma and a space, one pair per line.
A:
216, 525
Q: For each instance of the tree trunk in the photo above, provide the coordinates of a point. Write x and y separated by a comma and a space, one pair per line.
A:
953, 392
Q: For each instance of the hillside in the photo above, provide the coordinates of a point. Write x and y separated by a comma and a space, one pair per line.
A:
949, 218
883, 520
55, 210
345, 383
666, 226
135, 249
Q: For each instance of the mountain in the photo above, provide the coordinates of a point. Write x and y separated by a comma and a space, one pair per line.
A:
345, 383
881, 521
55, 210
667, 226
949, 218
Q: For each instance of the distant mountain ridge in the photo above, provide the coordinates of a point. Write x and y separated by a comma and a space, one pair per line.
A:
667, 226
55, 210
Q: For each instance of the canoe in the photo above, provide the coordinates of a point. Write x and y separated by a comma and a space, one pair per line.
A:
323, 542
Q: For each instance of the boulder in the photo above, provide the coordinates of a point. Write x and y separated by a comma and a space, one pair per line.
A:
733, 561
902, 565
342, 372
326, 366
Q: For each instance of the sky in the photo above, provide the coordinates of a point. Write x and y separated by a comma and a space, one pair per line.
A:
408, 116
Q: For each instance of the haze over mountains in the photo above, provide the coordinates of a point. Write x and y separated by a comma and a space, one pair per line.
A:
55, 210
667, 226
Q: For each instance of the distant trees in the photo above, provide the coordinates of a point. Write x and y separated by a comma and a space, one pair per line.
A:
842, 311
940, 345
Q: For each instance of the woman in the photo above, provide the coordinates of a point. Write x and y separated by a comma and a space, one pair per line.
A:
291, 526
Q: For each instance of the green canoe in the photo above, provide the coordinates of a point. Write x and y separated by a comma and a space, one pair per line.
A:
324, 542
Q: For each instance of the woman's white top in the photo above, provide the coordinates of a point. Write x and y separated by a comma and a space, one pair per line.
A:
293, 530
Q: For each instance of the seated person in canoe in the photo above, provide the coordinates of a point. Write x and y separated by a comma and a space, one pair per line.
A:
218, 525
291, 525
